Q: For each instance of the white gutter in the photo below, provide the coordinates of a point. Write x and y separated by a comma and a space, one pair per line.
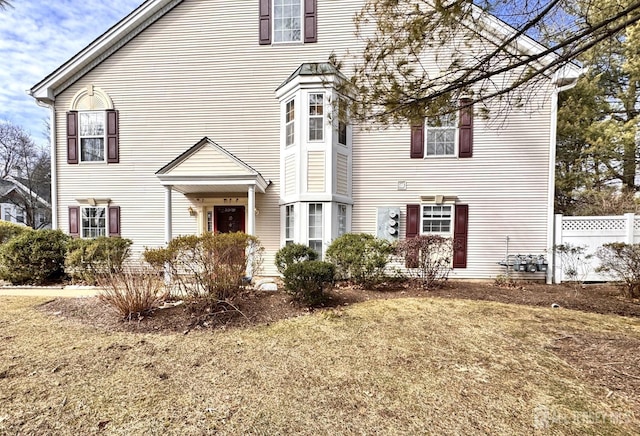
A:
552, 172
54, 172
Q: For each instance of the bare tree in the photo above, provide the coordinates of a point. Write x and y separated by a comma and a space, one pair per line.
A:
421, 55
28, 167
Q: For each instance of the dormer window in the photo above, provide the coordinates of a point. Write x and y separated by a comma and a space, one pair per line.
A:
92, 136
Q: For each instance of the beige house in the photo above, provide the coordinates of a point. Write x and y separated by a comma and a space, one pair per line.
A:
211, 115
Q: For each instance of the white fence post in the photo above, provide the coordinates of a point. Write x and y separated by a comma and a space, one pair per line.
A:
554, 261
630, 218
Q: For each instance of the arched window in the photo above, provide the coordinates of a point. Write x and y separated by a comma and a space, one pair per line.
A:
92, 128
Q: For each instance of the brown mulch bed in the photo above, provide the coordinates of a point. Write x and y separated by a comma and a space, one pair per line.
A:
256, 307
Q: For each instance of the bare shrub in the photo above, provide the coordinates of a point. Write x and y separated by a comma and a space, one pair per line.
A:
133, 291
428, 257
622, 263
576, 264
210, 266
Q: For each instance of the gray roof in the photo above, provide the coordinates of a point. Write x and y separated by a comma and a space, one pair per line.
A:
313, 69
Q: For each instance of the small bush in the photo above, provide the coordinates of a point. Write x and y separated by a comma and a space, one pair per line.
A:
34, 257
293, 253
306, 281
360, 257
211, 266
88, 257
576, 264
10, 230
429, 257
133, 292
622, 263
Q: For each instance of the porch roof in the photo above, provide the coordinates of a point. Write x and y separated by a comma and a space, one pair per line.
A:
207, 167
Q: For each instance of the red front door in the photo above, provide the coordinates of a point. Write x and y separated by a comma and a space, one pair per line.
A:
229, 219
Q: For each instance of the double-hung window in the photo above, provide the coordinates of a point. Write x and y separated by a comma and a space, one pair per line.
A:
315, 227
92, 136
342, 122
290, 123
316, 117
287, 20
441, 135
289, 222
94, 222
437, 219
342, 219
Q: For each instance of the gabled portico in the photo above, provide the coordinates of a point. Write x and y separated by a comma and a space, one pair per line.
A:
208, 174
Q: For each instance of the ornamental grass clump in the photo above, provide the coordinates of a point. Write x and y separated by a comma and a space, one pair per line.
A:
133, 291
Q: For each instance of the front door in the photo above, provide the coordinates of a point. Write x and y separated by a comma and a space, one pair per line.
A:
229, 219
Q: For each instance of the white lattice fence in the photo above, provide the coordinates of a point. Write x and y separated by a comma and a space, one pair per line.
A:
592, 232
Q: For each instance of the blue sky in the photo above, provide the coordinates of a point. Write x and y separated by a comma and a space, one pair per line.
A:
36, 37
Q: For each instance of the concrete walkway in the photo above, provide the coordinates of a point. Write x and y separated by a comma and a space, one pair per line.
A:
49, 291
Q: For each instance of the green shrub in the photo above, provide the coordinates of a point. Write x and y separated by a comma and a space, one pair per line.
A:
87, 257
10, 230
34, 257
133, 292
211, 266
306, 281
622, 263
360, 257
293, 253
428, 257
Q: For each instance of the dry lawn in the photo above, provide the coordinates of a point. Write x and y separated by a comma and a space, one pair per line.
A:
398, 366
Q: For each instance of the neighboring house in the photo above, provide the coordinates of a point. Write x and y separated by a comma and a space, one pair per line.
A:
194, 116
16, 199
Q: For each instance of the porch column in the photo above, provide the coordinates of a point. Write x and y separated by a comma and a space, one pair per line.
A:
167, 214
251, 205
251, 226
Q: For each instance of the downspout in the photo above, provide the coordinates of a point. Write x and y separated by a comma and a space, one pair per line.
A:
552, 174
54, 168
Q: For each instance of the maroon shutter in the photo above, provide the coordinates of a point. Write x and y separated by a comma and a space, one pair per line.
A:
417, 141
460, 231
74, 221
113, 140
265, 22
72, 137
413, 230
310, 20
465, 129
114, 221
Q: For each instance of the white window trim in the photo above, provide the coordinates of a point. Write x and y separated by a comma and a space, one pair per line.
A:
342, 103
292, 122
292, 227
451, 219
273, 27
309, 117
106, 221
104, 138
456, 135
322, 226
339, 207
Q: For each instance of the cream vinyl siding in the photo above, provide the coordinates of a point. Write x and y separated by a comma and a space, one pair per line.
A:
290, 175
209, 162
342, 177
199, 71
316, 171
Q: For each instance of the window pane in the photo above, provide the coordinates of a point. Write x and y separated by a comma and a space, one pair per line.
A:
315, 129
287, 22
92, 149
94, 222
436, 219
92, 123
